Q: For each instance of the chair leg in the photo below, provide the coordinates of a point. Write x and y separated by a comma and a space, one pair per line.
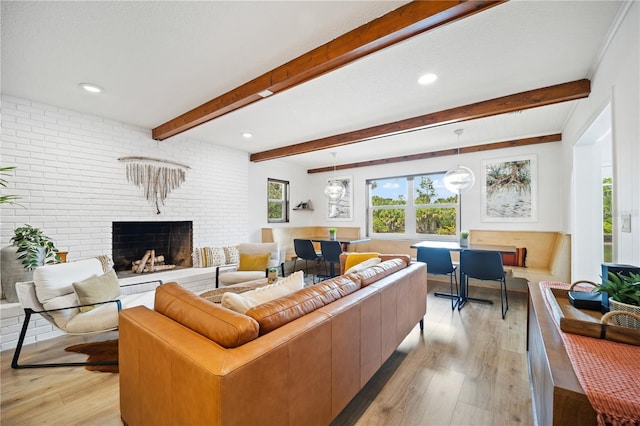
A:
454, 300
503, 282
422, 324
16, 355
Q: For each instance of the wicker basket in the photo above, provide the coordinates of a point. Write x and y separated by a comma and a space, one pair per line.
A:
625, 320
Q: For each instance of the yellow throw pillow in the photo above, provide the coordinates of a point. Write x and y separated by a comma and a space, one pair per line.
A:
355, 258
253, 262
97, 289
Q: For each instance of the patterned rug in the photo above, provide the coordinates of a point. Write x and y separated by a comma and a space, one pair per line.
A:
98, 351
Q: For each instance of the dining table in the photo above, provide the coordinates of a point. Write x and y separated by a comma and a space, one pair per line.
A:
463, 297
344, 241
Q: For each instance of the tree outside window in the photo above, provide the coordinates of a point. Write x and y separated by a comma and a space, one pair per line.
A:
277, 201
431, 210
607, 218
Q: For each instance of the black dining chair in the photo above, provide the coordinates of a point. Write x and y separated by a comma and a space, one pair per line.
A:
306, 251
438, 262
331, 254
486, 266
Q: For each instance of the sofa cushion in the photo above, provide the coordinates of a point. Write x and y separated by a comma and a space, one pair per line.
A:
97, 289
355, 258
374, 273
62, 317
237, 277
227, 328
363, 265
253, 262
276, 313
241, 303
57, 280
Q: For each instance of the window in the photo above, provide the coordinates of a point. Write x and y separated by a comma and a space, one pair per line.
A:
277, 201
607, 218
412, 206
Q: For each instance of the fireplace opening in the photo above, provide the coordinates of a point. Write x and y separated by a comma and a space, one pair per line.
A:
132, 240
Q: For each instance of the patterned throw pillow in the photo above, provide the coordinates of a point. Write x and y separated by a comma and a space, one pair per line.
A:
232, 255
106, 262
195, 258
208, 256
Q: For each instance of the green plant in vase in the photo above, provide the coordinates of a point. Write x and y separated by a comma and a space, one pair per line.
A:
624, 295
34, 247
464, 238
9, 199
332, 233
622, 288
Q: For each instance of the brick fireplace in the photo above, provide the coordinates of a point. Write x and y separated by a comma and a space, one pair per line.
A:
130, 241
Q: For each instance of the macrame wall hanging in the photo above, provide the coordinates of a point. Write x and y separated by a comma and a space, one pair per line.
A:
157, 177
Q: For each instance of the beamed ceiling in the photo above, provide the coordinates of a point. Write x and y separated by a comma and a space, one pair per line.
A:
343, 74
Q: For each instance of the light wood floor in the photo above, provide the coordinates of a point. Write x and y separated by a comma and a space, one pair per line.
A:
468, 368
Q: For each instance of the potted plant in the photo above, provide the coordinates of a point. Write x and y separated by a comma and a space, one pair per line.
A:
9, 199
624, 295
332, 233
31, 248
464, 238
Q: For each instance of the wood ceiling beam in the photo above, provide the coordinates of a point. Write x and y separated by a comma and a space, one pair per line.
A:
476, 148
517, 102
400, 24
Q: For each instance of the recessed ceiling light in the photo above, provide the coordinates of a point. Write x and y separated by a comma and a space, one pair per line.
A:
427, 79
90, 87
247, 135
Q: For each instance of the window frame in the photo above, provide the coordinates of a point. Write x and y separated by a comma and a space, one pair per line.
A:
284, 201
410, 209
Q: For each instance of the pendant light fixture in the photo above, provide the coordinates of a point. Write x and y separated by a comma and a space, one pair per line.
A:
459, 179
335, 189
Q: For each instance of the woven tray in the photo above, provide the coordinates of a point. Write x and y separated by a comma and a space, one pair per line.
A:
586, 322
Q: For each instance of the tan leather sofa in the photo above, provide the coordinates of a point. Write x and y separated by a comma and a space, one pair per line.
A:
303, 372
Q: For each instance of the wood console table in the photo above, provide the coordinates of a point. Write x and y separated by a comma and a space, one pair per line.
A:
558, 398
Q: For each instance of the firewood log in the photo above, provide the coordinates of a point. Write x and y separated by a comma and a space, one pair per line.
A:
158, 259
143, 262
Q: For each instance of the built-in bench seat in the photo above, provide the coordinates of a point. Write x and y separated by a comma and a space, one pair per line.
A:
284, 236
548, 253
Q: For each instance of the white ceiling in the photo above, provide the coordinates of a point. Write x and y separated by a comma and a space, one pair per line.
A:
158, 59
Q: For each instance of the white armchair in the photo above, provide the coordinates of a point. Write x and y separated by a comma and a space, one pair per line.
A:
71, 296
233, 273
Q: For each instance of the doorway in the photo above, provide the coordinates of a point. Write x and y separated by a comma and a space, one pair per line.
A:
592, 239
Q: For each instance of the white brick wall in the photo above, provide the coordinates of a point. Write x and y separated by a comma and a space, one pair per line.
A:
72, 185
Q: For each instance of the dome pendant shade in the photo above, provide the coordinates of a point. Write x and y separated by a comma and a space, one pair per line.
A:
335, 190
459, 179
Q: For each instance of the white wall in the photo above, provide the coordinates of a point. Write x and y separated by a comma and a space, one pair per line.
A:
72, 185
615, 81
304, 186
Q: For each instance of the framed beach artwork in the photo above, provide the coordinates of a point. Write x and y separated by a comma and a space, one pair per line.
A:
341, 209
509, 189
